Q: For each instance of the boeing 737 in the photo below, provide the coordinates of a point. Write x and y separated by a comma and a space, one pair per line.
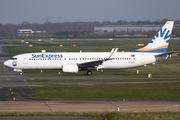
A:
73, 62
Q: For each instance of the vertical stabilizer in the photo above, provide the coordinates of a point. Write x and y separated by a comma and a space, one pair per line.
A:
160, 42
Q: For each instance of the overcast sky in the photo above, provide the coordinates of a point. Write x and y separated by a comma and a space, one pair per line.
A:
39, 11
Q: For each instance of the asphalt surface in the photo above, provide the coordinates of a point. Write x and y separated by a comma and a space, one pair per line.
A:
9, 85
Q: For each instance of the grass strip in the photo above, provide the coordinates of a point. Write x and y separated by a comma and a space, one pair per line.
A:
95, 80
121, 42
150, 91
108, 116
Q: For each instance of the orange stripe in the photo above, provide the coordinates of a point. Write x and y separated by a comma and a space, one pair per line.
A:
147, 49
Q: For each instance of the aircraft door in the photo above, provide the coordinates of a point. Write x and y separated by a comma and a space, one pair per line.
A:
25, 59
142, 59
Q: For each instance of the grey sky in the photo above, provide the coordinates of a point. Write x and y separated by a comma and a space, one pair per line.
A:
17, 11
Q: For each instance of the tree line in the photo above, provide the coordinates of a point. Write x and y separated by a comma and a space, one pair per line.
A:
79, 29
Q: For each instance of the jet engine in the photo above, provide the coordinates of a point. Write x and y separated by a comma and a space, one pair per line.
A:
70, 68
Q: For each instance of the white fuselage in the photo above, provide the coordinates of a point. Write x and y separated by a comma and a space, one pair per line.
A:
55, 60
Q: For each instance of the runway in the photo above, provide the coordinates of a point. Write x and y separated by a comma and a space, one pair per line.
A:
90, 106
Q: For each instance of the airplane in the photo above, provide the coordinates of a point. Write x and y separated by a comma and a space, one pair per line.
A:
73, 62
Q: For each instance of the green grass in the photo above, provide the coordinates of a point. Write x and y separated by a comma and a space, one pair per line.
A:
108, 116
151, 91
144, 116
96, 45
26, 49
81, 41
96, 80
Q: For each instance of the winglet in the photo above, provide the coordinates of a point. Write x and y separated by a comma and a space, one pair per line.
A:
113, 54
112, 50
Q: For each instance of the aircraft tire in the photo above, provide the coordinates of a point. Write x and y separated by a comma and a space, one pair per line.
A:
89, 72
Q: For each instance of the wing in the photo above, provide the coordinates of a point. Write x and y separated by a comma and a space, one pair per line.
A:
95, 64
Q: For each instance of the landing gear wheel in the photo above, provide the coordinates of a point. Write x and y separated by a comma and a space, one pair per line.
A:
21, 73
89, 72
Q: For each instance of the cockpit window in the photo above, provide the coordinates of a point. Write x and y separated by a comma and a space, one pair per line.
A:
13, 58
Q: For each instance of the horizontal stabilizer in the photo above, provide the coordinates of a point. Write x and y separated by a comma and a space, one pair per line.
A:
168, 53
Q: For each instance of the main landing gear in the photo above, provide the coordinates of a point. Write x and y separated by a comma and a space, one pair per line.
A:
89, 72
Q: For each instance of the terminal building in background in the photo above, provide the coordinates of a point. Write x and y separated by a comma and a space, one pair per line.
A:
29, 33
126, 28
130, 30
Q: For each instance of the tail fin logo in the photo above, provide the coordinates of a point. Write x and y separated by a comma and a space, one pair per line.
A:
163, 34
160, 42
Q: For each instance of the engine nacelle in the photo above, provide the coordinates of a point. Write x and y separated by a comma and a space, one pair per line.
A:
70, 68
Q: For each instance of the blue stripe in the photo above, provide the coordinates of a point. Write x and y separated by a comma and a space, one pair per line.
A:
153, 51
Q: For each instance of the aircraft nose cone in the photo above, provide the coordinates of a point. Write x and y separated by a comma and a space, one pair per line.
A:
7, 63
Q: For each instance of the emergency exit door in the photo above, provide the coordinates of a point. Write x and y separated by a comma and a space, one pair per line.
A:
25, 60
